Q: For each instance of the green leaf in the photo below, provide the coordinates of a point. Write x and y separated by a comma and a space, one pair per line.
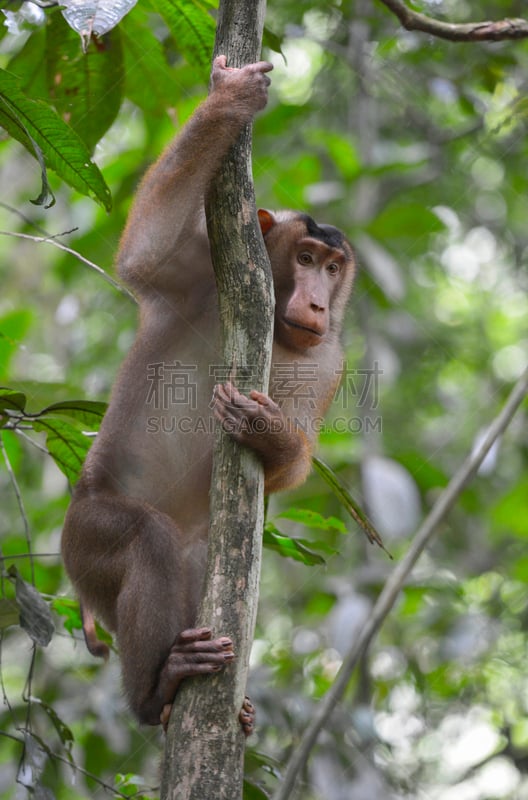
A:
65, 734
86, 412
66, 445
86, 87
290, 548
256, 759
149, 82
272, 41
253, 792
70, 610
11, 400
346, 499
313, 520
65, 607
32, 121
27, 65
129, 784
193, 29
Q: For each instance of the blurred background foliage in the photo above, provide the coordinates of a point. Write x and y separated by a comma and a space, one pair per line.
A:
417, 148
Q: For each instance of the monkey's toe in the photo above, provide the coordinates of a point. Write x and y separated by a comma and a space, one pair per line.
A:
165, 715
247, 716
195, 634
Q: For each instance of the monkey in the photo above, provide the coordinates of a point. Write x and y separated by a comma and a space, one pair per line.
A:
134, 542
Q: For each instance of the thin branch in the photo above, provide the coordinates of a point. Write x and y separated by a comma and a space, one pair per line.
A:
19, 432
18, 556
26, 219
21, 507
78, 256
515, 28
395, 583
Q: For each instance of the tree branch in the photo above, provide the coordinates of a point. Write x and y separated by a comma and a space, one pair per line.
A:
205, 743
395, 583
516, 28
53, 240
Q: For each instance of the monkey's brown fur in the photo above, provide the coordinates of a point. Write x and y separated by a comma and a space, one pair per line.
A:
135, 536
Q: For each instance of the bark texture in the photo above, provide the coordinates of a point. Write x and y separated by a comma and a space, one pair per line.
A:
486, 31
205, 743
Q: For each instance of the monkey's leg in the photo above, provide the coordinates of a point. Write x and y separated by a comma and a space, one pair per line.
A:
151, 683
132, 565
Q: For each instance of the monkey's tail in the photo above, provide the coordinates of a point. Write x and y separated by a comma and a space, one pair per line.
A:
95, 646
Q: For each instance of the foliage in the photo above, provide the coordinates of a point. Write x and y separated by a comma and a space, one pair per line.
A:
415, 147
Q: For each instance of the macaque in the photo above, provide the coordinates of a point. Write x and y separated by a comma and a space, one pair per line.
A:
135, 536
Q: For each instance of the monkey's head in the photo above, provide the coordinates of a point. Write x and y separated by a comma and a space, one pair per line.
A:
313, 270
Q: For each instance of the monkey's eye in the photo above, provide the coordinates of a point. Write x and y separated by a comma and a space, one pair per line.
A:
333, 269
305, 258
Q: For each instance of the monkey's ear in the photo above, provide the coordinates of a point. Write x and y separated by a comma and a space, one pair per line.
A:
266, 220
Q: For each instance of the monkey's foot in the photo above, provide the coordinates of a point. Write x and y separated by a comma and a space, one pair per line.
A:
247, 716
194, 652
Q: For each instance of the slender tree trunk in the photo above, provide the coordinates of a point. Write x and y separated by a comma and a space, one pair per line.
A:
205, 743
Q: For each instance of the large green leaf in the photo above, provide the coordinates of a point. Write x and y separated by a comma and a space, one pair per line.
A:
85, 87
86, 412
192, 27
27, 64
12, 400
32, 122
66, 445
148, 82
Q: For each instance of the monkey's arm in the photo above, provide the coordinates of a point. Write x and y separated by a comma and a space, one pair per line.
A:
166, 228
259, 423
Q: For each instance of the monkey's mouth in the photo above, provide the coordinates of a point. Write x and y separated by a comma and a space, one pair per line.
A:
303, 328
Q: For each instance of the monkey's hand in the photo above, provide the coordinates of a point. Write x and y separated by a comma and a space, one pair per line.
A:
245, 89
258, 422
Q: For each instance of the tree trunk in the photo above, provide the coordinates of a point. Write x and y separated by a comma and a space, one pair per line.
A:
205, 743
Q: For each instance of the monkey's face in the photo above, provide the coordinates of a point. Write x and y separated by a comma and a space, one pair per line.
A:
313, 269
